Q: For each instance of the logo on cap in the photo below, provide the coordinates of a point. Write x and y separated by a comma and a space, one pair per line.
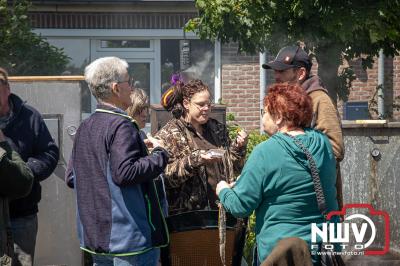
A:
287, 59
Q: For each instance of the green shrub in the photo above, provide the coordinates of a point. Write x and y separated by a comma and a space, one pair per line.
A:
22, 52
254, 139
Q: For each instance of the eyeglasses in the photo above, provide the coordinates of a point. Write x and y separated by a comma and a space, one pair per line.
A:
202, 106
130, 81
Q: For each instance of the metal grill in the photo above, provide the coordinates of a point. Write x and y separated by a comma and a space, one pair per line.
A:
86, 20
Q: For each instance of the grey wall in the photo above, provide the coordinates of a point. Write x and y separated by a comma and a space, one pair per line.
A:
374, 180
60, 104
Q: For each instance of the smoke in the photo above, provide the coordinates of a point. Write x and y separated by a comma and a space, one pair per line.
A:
198, 70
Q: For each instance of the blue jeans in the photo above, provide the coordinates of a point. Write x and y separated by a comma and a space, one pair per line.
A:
24, 231
149, 258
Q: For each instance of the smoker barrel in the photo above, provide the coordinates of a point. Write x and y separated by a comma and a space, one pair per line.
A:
371, 174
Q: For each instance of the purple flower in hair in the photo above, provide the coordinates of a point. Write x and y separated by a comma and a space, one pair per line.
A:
175, 78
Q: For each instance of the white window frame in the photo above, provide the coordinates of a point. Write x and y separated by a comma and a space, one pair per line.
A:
95, 50
130, 49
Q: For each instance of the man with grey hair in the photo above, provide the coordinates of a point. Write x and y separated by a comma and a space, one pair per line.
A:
119, 217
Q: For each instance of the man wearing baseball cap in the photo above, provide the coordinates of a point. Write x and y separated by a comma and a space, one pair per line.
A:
293, 65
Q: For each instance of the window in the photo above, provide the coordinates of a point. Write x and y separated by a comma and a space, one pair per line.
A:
194, 59
125, 44
140, 72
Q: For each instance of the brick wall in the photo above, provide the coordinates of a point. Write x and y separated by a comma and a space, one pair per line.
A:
241, 93
240, 86
365, 85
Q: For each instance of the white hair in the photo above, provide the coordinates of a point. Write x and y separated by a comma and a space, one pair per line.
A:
102, 73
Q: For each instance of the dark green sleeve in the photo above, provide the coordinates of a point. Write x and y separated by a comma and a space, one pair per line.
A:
15, 176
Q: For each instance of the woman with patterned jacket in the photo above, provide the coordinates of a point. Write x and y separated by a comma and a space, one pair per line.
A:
193, 170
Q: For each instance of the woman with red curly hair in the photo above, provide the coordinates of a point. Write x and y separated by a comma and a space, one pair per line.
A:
276, 180
192, 140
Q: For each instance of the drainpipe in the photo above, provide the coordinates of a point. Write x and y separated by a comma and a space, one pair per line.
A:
217, 72
381, 81
263, 82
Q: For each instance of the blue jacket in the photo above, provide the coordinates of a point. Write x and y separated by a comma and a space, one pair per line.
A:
28, 135
118, 211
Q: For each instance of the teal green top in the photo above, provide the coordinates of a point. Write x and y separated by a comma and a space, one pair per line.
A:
276, 182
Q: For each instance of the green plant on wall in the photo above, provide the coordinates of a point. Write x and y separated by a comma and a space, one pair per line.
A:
22, 52
373, 105
254, 139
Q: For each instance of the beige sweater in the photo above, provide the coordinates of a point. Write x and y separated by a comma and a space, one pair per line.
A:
325, 115
327, 120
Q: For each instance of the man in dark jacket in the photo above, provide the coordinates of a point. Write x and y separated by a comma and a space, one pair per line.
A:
293, 65
119, 217
28, 135
16, 181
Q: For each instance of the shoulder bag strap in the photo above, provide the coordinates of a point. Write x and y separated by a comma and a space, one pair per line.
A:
315, 176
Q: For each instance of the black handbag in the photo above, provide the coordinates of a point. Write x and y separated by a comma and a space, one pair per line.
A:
327, 257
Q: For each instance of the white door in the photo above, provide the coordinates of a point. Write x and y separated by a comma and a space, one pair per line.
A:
143, 57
